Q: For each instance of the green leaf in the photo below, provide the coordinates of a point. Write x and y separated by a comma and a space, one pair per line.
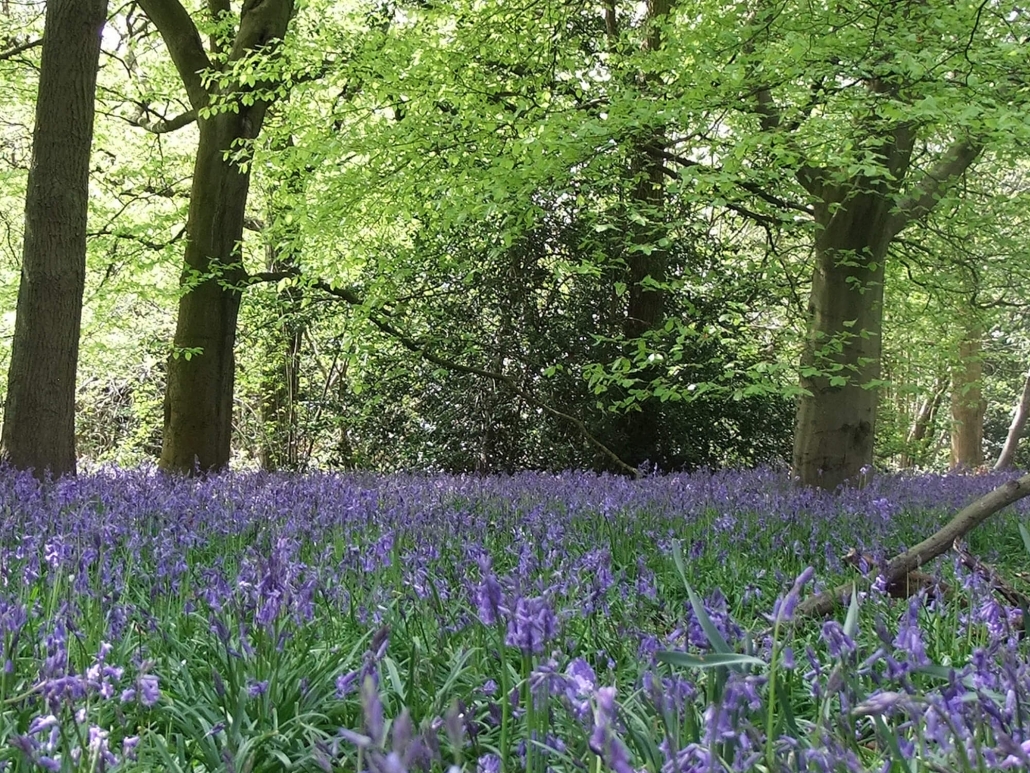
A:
710, 660
715, 638
1026, 537
851, 620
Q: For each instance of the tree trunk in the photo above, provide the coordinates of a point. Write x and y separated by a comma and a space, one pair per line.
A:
857, 217
39, 411
201, 369
915, 445
1007, 458
967, 404
836, 419
646, 264
280, 380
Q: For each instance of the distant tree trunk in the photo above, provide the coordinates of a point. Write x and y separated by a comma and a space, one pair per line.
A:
280, 377
967, 403
280, 380
646, 262
924, 419
201, 370
39, 411
1007, 459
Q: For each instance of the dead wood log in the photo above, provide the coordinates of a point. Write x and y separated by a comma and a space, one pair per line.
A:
965, 521
906, 586
998, 583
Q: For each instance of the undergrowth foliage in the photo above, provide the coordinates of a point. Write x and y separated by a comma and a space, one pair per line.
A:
528, 623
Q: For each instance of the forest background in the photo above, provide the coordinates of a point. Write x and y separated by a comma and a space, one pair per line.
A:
494, 235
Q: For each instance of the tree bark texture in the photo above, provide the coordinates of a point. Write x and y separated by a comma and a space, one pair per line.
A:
967, 403
836, 419
201, 370
39, 410
1007, 458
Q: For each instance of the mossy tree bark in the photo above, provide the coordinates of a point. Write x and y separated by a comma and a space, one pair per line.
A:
39, 411
201, 370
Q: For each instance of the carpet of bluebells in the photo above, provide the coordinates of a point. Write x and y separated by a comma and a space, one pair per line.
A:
256, 622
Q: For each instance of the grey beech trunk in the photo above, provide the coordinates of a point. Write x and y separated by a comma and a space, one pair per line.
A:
836, 420
39, 410
1007, 458
857, 216
856, 219
201, 369
967, 403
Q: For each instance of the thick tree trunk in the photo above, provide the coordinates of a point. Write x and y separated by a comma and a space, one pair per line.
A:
201, 370
1007, 458
39, 411
967, 404
836, 419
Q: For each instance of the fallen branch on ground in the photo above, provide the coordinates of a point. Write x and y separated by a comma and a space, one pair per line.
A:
937, 544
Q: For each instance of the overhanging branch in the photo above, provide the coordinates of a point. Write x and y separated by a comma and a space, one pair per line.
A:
750, 187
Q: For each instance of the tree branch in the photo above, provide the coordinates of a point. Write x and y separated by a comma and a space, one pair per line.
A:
923, 198
163, 125
184, 45
751, 187
21, 48
937, 544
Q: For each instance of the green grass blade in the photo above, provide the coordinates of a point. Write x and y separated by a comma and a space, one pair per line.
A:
711, 660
